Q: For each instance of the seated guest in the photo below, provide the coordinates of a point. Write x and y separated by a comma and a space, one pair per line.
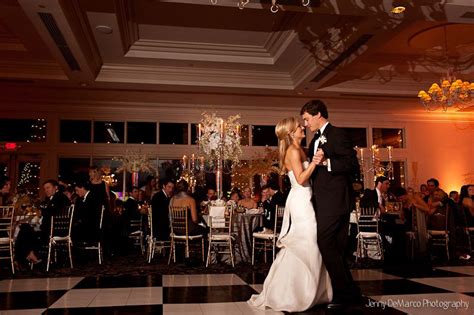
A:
131, 207
160, 208
87, 213
432, 184
29, 241
466, 202
375, 198
182, 198
247, 202
454, 196
440, 206
234, 200
273, 197
149, 188
5, 186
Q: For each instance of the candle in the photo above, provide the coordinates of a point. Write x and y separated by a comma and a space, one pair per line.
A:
185, 161
192, 161
221, 127
238, 129
361, 154
389, 152
199, 131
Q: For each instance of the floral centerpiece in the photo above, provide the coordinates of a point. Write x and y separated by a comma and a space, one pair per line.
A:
135, 162
219, 138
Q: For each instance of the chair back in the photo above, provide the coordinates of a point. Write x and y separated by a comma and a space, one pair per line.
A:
367, 219
6, 221
136, 224
279, 213
101, 221
150, 221
220, 222
179, 220
438, 221
61, 223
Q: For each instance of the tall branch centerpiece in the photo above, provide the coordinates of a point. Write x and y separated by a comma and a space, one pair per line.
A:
218, 141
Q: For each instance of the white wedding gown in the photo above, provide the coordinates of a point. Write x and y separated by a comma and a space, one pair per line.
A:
297, 279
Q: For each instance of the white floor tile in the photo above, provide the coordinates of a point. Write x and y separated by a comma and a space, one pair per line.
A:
456, 284
247, 309
201, 280
43, 284
220, 308
76, 298
111, 297
432, 304
370, 275
145, 296
467, 270
189, 309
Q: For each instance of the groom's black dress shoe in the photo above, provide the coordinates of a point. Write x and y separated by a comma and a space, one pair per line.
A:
335, 306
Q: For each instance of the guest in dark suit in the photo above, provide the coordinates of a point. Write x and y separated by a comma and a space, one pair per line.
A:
160, 208
55, 203
333, 197
87, 211
131, 207
375, 198
274, 198
5, 186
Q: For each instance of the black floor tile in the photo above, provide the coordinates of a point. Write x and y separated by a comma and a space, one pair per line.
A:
252, 277
120, 282
365, 308
393, 287
469, 293
212, 294
27, 300
423, 273
115, 310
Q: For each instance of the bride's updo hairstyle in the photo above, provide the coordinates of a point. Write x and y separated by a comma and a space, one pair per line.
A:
284, 130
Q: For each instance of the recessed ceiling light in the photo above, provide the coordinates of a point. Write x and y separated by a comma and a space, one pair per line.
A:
398, 9
104, 29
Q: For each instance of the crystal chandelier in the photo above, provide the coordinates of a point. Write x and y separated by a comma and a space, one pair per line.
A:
274, 8
448, 94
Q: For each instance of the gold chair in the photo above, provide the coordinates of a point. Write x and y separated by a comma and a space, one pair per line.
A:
266, 241
220, 233
6, 233
439, 235
98, 245
180, 231
367, 221
60, 233
153, 243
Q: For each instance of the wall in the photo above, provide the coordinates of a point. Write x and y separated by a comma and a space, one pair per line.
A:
437, 144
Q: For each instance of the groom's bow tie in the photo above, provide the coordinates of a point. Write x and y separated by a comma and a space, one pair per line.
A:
318, 134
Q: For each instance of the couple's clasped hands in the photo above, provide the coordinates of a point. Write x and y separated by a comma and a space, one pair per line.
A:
319, 158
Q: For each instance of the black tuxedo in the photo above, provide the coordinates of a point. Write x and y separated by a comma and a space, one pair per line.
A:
87, 217
160, 210
370, 199
269, 207
333, 202
55, 205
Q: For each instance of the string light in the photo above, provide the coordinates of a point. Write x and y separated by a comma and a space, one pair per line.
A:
38, 131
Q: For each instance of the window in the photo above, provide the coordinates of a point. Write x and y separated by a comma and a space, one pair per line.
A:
358, 136
29, 177
264, 136
194, 134
23, 130
244, 135
3, 169
384, 137
75, 131
174, 133
108, 132
141, 132
74, 169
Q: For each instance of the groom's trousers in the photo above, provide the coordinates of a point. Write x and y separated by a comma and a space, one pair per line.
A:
332, 239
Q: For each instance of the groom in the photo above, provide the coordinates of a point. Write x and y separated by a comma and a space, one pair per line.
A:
332, 198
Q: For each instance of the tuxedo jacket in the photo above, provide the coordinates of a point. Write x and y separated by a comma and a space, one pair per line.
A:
370, 199
332, 190
87, 216
56, 205
160, 215
269, 207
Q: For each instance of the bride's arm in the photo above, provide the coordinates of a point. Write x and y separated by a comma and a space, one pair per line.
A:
294, 161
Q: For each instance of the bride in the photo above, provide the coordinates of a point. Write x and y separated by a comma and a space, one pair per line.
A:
297, 279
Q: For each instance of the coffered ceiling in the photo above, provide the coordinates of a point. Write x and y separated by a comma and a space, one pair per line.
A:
342, 48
